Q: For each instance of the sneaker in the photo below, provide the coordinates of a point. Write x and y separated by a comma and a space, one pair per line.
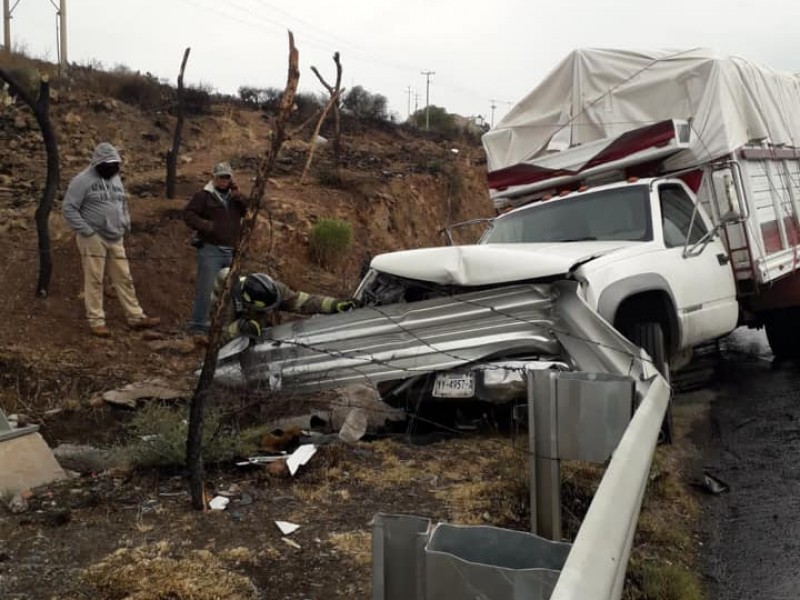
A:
100, 331
145, 323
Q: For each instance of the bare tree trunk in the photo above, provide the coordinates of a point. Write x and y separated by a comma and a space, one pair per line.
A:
337, 91
315, 136
172, 154
41, 110
194, 441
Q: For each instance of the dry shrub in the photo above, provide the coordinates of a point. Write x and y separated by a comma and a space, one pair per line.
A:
329, 241
158, 438
152, 573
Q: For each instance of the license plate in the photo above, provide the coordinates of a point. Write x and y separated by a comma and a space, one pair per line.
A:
454, 385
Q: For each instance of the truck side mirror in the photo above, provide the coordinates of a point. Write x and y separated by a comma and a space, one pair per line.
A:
726, 192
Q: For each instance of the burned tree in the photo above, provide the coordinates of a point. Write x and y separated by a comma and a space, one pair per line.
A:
41, 110
172, 153
194, 442
335, 92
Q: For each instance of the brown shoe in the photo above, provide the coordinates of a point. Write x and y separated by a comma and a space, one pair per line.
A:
101, 331
145, 323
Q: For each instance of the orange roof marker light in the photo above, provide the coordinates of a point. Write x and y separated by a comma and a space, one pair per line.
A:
564, 192
633, 179
583, 188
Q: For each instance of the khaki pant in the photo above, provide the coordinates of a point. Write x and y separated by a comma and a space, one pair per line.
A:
96, 253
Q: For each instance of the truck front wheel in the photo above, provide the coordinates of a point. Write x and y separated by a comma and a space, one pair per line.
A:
650, 337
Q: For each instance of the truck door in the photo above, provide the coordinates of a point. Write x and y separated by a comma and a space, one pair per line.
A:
702, 281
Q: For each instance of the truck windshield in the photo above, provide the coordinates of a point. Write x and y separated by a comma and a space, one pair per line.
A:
613, 214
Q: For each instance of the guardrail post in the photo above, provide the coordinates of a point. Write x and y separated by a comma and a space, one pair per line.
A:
545, 468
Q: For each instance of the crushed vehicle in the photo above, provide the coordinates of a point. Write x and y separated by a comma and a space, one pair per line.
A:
653, 192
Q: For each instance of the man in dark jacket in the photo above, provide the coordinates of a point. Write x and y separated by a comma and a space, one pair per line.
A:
215, 215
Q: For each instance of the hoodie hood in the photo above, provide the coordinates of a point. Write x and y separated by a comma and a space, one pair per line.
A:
104, 152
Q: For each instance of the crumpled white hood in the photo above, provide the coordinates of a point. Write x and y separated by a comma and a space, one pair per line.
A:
487, 264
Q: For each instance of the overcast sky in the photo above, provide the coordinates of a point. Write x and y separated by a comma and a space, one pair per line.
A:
478, 51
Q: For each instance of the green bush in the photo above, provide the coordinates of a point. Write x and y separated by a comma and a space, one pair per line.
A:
366, 105
158, 438
330, 241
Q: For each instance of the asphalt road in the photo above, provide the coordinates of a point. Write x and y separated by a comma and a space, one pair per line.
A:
753, 530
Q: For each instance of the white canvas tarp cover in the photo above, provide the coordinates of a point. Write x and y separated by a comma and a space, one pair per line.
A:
595, 94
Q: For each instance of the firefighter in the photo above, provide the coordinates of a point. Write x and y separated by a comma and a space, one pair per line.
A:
256, 296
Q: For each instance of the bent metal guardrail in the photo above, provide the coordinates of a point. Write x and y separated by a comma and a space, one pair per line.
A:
402, 341
596, 565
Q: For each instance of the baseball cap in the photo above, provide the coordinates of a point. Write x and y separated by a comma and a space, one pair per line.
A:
222, 168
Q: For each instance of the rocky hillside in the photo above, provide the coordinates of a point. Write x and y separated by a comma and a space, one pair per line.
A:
396, 189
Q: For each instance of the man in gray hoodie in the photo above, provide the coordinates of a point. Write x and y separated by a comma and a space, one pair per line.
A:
96, 207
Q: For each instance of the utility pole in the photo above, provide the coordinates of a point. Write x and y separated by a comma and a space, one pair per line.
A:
408, 93
493, 105
427, 75
416, 102
7, 26
62, 16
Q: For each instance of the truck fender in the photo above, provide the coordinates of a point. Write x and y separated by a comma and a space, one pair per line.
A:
615, 294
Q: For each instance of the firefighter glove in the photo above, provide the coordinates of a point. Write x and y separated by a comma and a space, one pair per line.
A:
345, 306
250, 328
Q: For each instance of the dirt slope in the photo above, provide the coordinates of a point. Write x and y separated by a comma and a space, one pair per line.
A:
395, 189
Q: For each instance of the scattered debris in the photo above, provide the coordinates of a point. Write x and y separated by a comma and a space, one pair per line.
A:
354, 426
158, 389
148, 506
233, 490
259, 460
19, 502
219, 503
291, 543
367, 398
300, 457
711, 484
280, 440
286, 527
333, 417
279, 468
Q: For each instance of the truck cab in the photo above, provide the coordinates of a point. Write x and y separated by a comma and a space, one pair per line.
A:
643, 250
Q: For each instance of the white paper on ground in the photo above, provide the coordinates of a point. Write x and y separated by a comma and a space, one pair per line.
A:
286, 527
300, 457
219, 503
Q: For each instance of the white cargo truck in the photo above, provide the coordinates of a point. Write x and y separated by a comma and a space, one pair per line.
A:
664, 185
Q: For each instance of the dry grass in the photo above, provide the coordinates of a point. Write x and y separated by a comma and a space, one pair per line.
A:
664, 581
152, 573
488, 484
356, 545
